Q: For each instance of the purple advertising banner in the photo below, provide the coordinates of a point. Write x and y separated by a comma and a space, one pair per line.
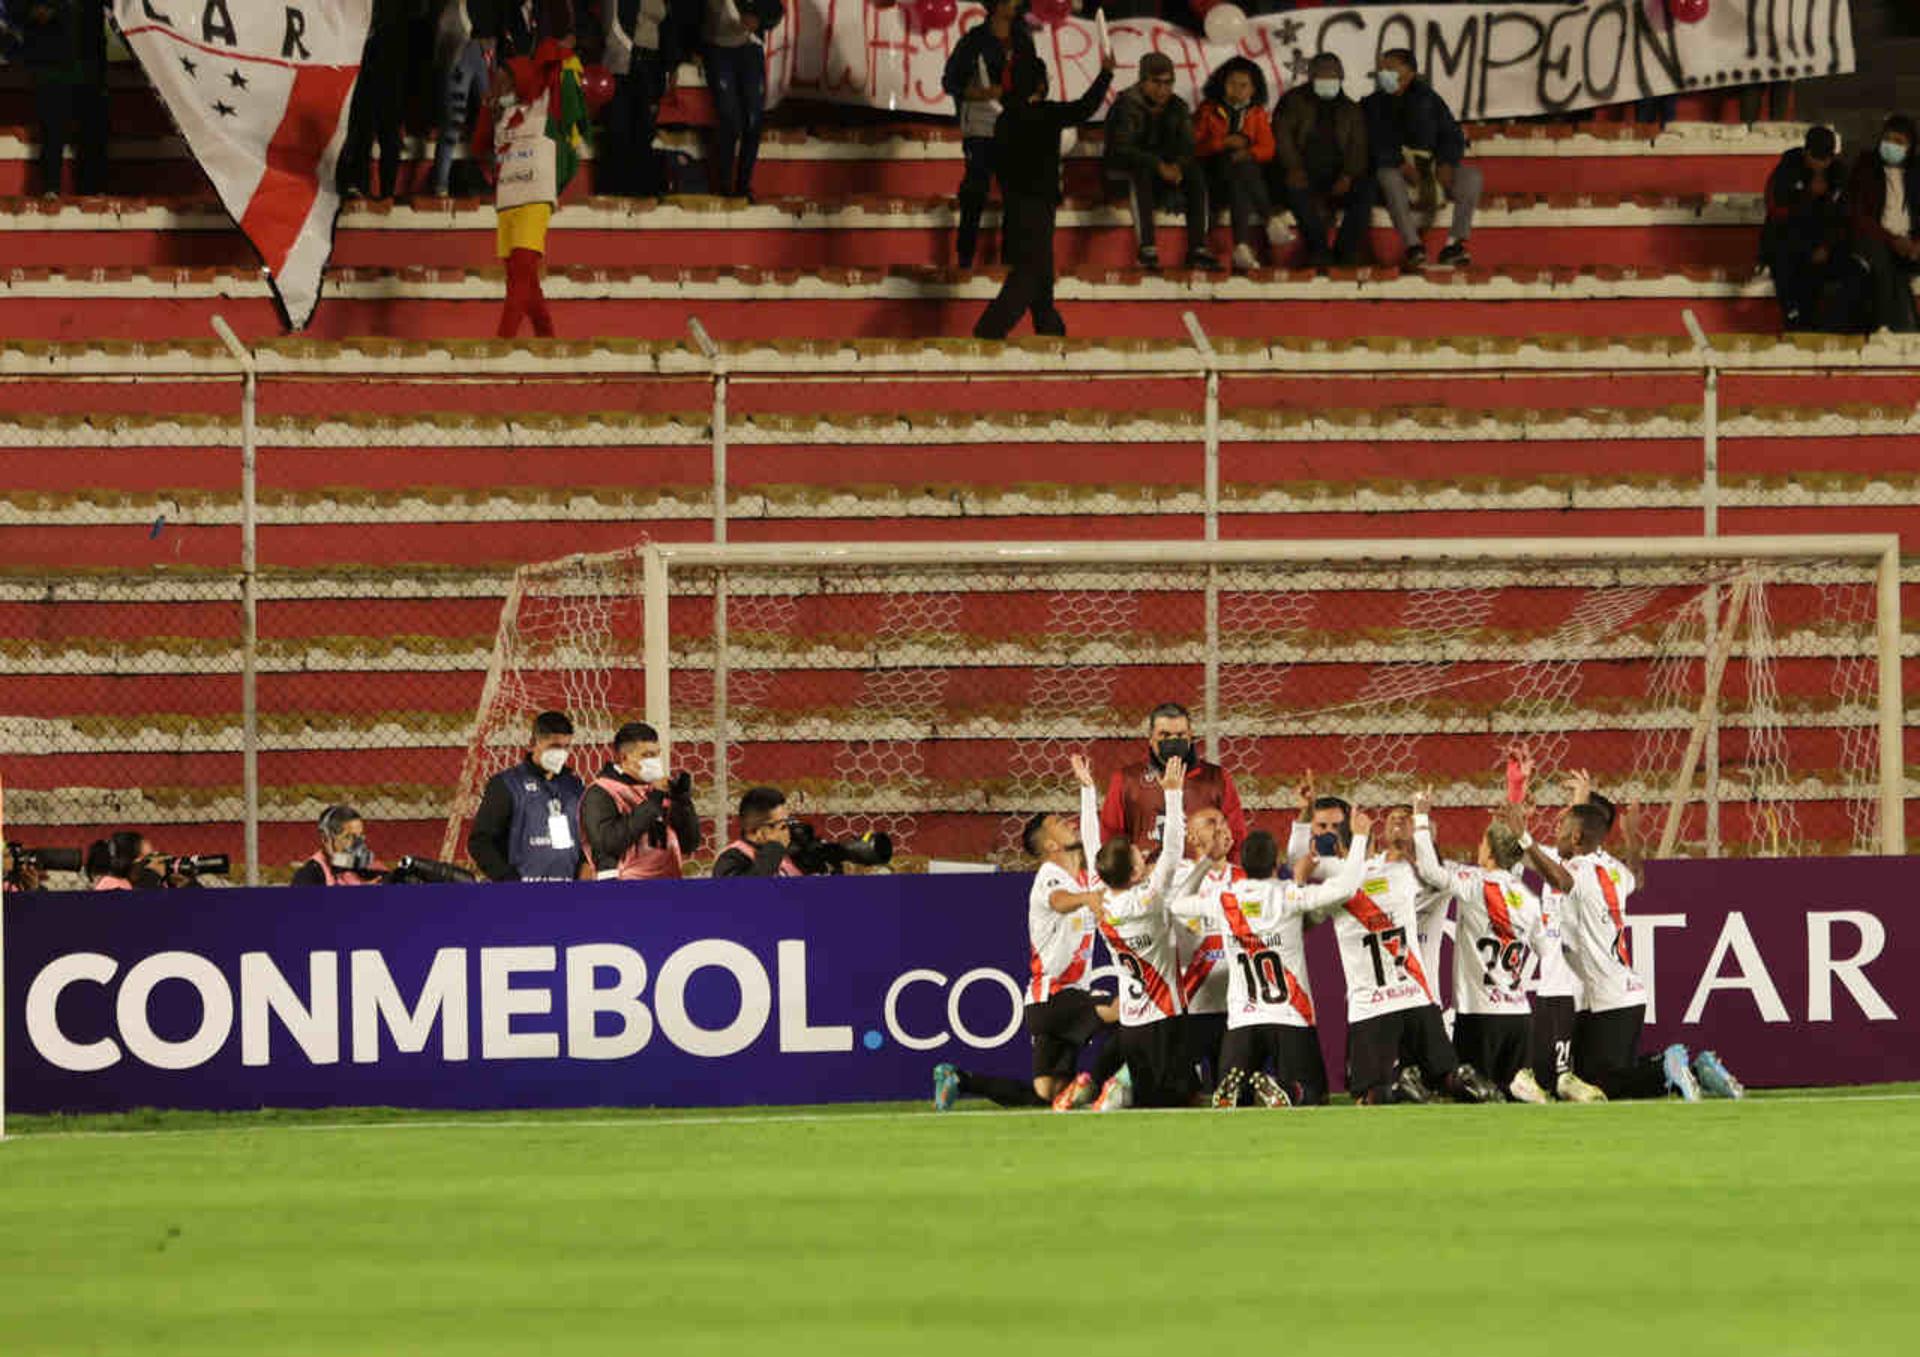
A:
710, 993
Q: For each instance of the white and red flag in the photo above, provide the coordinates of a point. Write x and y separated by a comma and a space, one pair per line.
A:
260, 92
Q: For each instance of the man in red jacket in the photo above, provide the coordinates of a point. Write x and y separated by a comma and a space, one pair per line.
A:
1135, 805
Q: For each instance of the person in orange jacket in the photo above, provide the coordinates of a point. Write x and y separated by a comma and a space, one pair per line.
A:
1233, 141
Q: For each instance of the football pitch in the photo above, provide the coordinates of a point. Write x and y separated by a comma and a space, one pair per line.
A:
1785, 1224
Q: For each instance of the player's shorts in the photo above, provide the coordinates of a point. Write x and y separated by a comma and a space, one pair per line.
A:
1606, 1053
1156, 1056
1203, 1035
1290, 1054
1552, 1040
1496, 1044
1412, 1036
1060, 1026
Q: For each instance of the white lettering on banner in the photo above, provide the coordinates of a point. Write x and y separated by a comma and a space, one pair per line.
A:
500, 1002
585, 999
1641, 932
1012, 988
216, 1010
890, 1010
1488, 61
670, 995
314, 1025
796, 1033
1823, 968
43, 1018
443, 999
1737, 938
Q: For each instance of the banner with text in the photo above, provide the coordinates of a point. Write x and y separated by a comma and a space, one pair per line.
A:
730, 992
1488, 61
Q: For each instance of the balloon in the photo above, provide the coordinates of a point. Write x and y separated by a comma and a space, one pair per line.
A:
1052, 13
1687, 11
931, 14
1227, 23
596, 86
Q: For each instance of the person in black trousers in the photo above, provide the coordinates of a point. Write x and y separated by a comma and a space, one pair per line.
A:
379, 100
974, 75
1027, 154
62, 44
1804, 237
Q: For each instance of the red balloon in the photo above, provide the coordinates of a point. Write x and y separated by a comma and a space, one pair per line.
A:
596, 86
1687, 11
931, 14
1052, 13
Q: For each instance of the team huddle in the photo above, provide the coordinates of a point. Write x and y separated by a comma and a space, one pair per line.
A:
1214, 1004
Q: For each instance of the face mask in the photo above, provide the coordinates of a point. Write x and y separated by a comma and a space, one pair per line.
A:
1388, 81
1893, 153
1175, 747
652, 768
1327, 845
1327, 89
552, 759
356, 856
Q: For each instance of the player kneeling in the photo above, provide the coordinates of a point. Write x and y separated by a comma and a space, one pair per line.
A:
1272, 1048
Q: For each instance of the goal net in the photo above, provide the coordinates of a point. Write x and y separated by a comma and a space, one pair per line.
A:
1735, 687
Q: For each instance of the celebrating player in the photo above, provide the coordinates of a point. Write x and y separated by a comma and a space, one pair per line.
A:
1198, 938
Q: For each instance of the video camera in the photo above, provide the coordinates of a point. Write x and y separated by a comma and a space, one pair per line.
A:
816, 857
191, 866
427, 872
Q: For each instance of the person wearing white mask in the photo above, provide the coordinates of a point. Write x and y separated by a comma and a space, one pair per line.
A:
1883, 197
1418, 154
1321, 162
637, 822
524, 829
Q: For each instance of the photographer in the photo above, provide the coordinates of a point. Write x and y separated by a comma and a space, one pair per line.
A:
524, 829
27, 868
637, 823
765, 833
343, 858
126, 862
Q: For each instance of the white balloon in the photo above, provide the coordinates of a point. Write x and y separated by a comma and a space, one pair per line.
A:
1226, 24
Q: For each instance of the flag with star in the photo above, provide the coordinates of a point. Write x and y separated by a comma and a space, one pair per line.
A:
260, 93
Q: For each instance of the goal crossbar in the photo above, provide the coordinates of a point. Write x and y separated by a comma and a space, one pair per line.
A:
1881, 550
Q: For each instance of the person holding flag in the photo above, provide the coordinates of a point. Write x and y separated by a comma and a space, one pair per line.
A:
537, 120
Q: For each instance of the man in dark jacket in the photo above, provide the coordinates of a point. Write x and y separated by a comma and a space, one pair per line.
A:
975, 75
1418, 153
1883, 209
523, 830
62, 44
1804, 236
638, 823
1321, 156
1027, 159
761, 849
1149, 152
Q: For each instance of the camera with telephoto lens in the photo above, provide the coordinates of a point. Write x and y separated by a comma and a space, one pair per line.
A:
19, 860
190, 866
817, 857
428, 872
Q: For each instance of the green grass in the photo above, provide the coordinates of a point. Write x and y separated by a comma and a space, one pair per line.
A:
1781, 1225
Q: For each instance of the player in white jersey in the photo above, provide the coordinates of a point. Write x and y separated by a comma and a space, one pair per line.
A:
1397, 1044
1496, 937
1272, 1048
1556, 990
1207, 872
1062, 1014
1139, 928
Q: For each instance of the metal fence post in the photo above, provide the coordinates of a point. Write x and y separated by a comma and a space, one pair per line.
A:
722, 792
1710, 527
249, 599
1210, 683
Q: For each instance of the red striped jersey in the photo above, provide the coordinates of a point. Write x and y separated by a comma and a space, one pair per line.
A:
1139, 931
1497, 933
1264, 924
1596, 933
1555, 978
1198, 935
1059, 946
1379, 938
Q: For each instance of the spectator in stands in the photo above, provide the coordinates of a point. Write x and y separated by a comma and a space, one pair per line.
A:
62, 43
1149, 153
508, 24
736, 66
1804, 236
761, 849
463, 61
974, 76
638, 823
1027, 159
524, 829
1320, 140
1233, 140
343, 858
645, 42
379, 98
1418, 153
1136, 805
1883, 203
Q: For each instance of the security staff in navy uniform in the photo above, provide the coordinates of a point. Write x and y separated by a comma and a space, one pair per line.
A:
525, 827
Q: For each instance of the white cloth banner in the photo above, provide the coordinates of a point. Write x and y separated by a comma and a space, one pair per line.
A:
1488, 61
260, 93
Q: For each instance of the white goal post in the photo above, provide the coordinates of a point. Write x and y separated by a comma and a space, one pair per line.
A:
670, 570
